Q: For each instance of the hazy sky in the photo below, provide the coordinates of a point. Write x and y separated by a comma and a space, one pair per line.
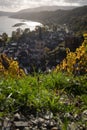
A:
15, 5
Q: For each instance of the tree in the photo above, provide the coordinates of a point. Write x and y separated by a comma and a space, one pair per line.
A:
26, 31
17, 34
5, 38
13, 37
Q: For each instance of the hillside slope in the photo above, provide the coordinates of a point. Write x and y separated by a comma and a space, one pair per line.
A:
2, 13
75, 18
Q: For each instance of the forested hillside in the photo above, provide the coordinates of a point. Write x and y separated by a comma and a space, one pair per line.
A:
76, 18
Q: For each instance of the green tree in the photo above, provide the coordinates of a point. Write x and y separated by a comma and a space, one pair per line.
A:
5, 38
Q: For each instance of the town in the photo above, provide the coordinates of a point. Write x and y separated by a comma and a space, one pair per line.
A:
41, 49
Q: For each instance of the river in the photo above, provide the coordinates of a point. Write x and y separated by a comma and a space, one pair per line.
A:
6, 24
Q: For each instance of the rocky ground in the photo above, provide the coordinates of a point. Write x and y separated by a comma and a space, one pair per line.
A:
46, 120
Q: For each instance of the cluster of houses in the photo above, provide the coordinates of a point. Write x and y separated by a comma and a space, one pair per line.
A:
31, 50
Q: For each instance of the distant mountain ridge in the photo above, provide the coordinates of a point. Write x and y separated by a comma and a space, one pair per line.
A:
46, 8
37, 9
76, 18
3, 13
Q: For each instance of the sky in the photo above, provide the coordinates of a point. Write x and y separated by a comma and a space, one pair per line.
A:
15, 5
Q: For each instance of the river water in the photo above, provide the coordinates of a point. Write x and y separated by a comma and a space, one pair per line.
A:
6, 24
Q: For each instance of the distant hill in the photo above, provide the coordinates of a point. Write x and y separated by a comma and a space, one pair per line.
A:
43, 13
75, 18
37, 9
46, 8
31, 13
2, 13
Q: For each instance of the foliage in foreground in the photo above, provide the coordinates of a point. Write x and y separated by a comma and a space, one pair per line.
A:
75, 62
9, 67
41, 92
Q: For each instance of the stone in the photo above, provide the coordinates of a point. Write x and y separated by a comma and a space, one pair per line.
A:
26, 128
69, 116
34, 121
49, 115
84, 115
0, 123
17, 117
72, 126
20, 123
51, 124
41, 120
54, 128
